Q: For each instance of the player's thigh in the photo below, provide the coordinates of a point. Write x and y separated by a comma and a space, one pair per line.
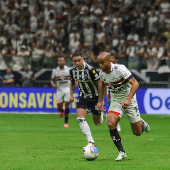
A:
133, 113
66, 97
60, 98
81, 112
114, 115
82, 108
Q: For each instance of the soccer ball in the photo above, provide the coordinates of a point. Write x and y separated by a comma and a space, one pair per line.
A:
90, 152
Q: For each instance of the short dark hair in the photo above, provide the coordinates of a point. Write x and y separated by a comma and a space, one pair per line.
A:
113, 53
77, 53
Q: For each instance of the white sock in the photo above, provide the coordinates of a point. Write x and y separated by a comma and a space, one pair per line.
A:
85, 128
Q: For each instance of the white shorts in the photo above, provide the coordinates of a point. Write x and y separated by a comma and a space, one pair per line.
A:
132, 110
63, 97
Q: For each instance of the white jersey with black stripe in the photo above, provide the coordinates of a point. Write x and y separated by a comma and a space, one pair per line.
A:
87, 80
117, 82
62, 79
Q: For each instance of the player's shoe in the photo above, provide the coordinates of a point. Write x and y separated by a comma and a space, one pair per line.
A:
118, 127
122, 155
147, 127
66, 125
92, 143
61, 114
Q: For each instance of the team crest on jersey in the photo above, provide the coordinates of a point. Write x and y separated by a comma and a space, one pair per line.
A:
94, 72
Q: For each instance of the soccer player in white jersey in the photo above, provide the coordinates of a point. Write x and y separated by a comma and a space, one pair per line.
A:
123, 87
60, 79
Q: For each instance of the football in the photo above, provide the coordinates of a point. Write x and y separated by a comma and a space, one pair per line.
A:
90, 152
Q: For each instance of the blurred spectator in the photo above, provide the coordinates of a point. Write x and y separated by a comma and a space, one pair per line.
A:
131, 52
152, 59
23, 57
48, 61
73, 33
94, 52
48, 9
3, 38
59, 6
100, 36
88, 34
27, 78
107, 27
51, 21
166, 34
34, 23
141, 22
36, 59
9, 78
26, 34
59, 33
133, 35
2, 23
73, 44
50, 40
130, 22
16, 42
152, 25
7, 54
60, 51
11, 28
117, 22
121, 53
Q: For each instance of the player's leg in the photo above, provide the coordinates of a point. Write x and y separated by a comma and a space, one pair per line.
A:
60, 109
112, 121
97, 116
137, 125
67, 112
114, 115
60, 104
67, 108
82, 110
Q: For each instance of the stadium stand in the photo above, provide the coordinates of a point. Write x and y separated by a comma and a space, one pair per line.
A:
37, 32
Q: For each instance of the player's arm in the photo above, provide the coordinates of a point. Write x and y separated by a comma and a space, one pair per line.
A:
133, 90
72, 89
73, 86
54, 86
102, 89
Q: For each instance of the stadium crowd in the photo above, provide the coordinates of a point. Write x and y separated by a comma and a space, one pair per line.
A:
37, 32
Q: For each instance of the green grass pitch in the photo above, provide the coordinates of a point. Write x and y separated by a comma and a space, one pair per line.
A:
40, 142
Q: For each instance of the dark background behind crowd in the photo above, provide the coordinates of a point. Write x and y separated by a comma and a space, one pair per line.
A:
34, 33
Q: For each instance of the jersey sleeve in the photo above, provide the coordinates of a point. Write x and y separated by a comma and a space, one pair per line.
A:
125, 73
94, 75
53, 74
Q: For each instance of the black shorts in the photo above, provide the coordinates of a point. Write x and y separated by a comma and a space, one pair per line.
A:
89, 103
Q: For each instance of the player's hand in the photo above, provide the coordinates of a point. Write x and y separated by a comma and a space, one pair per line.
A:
100, 106
71, 99
125, 103
54, 86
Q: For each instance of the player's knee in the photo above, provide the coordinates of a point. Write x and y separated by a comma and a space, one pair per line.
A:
67, 110
81, 119
137, 133
111, 125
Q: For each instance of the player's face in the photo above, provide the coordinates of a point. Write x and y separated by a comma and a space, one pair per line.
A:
61, 62
78, 62
104, 65
113, 59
